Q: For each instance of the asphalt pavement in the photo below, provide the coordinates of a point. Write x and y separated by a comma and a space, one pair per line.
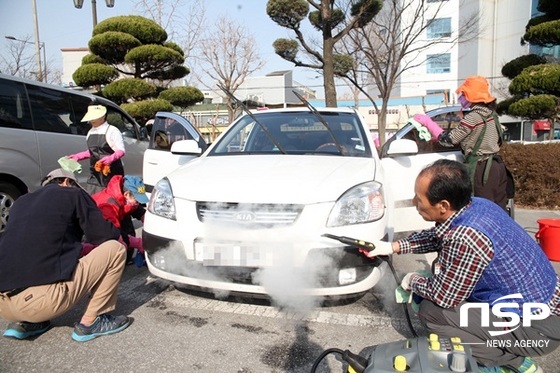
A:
180, 331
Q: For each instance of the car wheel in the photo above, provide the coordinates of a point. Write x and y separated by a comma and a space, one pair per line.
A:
8, 195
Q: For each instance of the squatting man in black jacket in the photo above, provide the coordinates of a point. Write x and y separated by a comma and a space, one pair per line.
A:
41, 273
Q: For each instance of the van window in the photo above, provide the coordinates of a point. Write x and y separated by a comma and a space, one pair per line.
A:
117, 119
14, 110
79, 109
51, 109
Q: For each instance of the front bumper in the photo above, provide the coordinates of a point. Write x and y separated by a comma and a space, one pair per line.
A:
166, 259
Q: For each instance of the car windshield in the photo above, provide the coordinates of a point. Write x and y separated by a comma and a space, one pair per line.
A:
297, 132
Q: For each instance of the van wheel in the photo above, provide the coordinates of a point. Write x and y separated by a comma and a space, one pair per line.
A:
8, 195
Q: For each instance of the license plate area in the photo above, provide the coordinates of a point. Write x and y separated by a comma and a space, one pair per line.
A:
234, 254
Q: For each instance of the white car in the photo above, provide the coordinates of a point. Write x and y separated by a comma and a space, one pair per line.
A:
249, 214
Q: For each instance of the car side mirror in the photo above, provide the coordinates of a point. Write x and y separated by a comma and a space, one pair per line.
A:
183, 147
402, 147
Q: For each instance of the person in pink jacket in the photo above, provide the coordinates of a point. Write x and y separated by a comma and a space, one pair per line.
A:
105, 149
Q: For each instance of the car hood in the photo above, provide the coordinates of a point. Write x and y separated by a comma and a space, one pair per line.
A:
270, 178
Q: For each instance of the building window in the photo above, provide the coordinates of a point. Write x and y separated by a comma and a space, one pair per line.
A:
438, 63
439, 28
443, 92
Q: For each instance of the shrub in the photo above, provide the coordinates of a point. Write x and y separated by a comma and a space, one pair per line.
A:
536, 171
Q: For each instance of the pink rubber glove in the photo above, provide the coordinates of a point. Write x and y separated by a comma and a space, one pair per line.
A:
111, 158
79, 156
136, 243
427, 122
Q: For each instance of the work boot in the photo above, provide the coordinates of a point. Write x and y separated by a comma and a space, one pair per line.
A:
23, 329
102, 325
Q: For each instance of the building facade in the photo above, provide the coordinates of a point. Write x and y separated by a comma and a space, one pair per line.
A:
494, 41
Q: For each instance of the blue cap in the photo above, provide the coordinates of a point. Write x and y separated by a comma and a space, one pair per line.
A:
136, 186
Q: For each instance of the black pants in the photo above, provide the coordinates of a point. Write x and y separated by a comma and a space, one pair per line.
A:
495, 187
543, 336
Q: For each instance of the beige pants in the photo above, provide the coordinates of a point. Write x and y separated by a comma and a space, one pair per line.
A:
98, 274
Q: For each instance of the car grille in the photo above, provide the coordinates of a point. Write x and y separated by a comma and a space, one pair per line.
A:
248, 214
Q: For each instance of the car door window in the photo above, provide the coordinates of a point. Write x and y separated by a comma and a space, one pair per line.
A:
51, 109
446, 121
14, 110
166, 131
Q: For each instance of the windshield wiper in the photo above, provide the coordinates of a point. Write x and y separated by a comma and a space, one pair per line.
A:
246, 109
318, 115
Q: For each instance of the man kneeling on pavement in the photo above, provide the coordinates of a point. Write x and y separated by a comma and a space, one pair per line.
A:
483, 256
41, 273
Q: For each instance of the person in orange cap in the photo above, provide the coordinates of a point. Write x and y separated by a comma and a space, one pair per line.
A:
480, 137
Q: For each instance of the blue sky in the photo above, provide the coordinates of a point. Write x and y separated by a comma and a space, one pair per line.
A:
61, 25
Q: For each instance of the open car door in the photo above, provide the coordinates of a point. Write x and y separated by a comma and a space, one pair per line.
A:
173, 142
403, 156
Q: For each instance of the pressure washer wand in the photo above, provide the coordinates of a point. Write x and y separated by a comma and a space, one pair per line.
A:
360, 244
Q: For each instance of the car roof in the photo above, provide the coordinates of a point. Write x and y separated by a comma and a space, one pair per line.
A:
55, 87
303, 109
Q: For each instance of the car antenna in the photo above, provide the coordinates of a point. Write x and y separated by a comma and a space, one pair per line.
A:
244, 107
314, 111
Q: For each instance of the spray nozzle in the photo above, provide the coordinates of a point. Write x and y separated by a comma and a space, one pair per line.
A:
357, 362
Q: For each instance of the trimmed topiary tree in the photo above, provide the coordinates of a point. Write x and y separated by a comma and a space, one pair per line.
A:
131, 60
182, 97
535, 85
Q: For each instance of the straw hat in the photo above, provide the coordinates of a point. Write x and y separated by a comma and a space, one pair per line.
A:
94, 112
476, 89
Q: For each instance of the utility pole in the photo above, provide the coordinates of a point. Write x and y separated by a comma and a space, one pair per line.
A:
40, 76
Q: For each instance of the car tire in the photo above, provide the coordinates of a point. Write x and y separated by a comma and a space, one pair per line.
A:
8, 195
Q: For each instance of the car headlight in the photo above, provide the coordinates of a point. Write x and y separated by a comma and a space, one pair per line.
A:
360, 204
161, 201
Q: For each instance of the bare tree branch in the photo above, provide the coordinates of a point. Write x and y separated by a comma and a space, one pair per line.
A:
165, 13
230, 54
396, 41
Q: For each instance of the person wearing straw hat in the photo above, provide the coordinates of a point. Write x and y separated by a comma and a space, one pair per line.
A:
105, 149
41, 273
480, 137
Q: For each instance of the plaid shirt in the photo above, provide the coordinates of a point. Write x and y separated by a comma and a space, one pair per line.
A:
464, 254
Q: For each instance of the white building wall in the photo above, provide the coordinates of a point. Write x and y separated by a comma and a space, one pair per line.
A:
274, 88
416, 81
71, 60
501, 24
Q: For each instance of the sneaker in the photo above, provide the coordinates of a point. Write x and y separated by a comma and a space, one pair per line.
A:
23, 330
497, 369
103, 325
529, 366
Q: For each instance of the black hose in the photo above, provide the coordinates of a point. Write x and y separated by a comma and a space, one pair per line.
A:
406, 313
323, 355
